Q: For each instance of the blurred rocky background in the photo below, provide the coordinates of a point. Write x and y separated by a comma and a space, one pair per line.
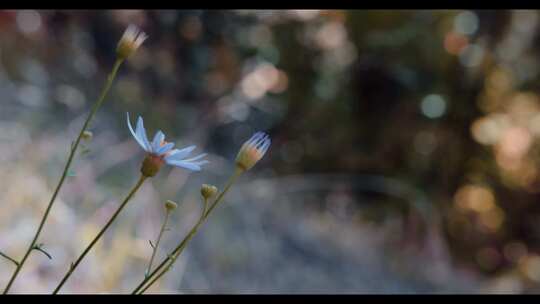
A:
405, 149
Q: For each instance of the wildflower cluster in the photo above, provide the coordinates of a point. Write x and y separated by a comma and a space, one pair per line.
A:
158, 152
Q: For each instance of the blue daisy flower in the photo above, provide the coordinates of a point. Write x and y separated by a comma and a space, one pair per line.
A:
161, 151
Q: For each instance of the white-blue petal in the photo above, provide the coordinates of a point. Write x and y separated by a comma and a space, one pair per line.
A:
137, 138
183, 164
141, 133
265, 146
177, 155
260, 141
196, 157
255, 137
164, 149
156, 142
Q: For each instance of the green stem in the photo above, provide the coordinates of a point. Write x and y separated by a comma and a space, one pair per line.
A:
94, 241
167, 262
93, 111
155, 247
237, 172
190, 235
9, 258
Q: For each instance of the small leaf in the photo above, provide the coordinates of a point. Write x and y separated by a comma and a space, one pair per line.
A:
151, 244
85, 151
38, 248
9, 258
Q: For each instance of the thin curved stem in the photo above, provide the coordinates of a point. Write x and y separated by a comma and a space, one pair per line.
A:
9, 258
167, 262
94, 241
74, 147
155, 247
190, 235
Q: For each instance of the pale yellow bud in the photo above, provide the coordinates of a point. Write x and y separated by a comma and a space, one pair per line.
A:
170, 205
207, 191
87, 135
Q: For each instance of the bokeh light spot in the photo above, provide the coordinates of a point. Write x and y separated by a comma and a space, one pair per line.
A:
28, 21
433, 106
466, 23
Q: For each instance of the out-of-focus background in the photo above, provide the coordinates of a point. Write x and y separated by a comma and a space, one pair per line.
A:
405, 149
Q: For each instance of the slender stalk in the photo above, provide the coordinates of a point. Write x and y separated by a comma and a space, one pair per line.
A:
9, 258
237, 172
94, 241
190, 235
74, 147
167, 262
156, 246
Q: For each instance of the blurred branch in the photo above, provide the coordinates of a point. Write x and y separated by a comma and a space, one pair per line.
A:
9, 258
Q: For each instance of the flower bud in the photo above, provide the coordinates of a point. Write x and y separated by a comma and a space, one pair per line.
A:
170, 205
87, 135
252, 151
207, 191
151, 165
131, 40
